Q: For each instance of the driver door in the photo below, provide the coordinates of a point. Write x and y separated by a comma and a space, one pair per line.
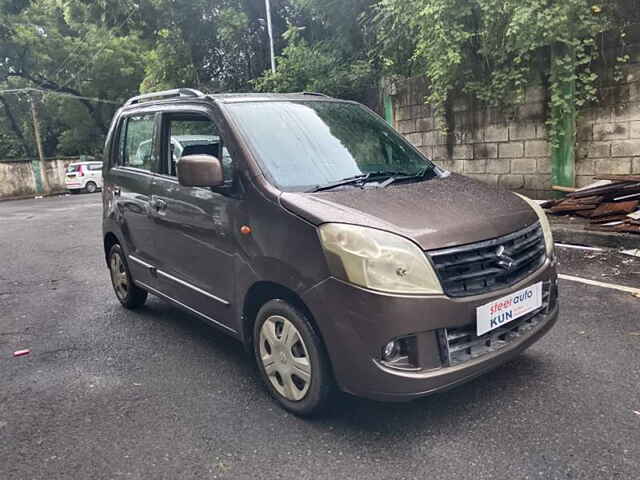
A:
195, 242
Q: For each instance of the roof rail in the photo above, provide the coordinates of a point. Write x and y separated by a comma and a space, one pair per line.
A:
317, 94
177, 92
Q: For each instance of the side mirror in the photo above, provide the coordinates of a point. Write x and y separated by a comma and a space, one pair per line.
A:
199, 171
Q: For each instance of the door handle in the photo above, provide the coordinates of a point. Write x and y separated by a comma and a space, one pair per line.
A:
158, 204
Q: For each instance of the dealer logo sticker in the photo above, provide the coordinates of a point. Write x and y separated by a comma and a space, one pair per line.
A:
506, 309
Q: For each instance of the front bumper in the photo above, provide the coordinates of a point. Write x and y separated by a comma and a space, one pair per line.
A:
355, 323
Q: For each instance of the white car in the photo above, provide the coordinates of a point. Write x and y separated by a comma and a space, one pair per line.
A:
85, 176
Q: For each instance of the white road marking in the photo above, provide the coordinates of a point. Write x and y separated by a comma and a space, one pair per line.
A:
579, 247
596, 283
633, 252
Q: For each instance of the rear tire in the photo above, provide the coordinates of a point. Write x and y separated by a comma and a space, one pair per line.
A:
91, 187
130, 295
291, 359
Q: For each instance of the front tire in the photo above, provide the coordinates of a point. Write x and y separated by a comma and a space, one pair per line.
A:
291, 359
130, 295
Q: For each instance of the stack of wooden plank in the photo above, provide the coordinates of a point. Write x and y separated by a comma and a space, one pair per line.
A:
611, 204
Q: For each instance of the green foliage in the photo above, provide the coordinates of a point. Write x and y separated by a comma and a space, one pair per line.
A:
72, 47
213, 45
169, 64
112, 49
327, 51
491, 49
317, 68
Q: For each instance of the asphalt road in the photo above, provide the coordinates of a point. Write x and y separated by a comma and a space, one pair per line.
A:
156, 394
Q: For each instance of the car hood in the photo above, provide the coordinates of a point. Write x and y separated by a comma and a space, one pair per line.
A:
436, 213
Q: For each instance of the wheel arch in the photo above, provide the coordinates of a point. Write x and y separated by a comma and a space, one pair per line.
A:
110, 240
260, 293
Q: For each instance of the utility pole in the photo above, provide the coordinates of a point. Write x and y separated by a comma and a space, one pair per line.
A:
39, 169
270, 31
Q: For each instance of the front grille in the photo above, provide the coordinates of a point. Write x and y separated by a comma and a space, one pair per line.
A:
460, 344
490, 265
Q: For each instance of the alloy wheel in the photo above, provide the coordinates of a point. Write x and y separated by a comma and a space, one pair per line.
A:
285, 357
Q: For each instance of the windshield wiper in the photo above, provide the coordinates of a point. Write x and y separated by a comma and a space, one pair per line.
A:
393, 175
386, 173
356, 179
421, 174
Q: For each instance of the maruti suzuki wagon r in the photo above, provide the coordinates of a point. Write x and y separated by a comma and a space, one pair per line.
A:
83, 176
308, 229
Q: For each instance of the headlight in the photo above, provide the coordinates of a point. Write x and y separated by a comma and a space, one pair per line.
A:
378, 260
544, 222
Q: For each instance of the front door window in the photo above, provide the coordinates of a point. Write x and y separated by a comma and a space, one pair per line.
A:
194, 134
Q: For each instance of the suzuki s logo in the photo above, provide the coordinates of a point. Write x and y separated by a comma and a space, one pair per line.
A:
504, 261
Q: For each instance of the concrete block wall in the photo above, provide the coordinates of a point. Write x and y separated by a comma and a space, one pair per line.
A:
17, 176
608, 136
510, 148
504, 148
16, 179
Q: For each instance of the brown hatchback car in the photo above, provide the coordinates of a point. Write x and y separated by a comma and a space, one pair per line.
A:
308, 229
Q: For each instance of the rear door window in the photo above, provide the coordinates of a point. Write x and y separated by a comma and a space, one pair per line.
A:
137, 146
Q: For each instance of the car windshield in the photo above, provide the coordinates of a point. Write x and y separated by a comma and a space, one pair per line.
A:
306, 145
73, 168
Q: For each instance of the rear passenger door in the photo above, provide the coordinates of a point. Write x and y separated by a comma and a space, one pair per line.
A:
129, 187
95, 172
195, 241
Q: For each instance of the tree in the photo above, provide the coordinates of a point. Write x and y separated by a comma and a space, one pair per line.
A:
112, 49
327, 50
55, 47
216, 45
14, 140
